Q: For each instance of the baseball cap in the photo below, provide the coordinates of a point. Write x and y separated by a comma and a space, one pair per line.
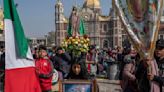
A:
42, 47
160, 44
59, 48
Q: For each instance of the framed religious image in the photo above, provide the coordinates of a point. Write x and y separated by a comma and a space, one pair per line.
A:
78, 86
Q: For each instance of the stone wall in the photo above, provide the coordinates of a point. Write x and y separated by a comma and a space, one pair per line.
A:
109, 85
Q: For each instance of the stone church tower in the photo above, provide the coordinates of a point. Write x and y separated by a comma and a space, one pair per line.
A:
1, 19
60, 23
2, 37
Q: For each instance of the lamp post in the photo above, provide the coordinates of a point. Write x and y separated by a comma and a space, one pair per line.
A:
46, 36
95, 12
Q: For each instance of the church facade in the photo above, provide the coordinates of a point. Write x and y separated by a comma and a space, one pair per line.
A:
103, 31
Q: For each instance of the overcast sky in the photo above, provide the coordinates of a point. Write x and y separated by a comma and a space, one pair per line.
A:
38, 16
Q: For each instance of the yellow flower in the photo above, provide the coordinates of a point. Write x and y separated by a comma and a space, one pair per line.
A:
82, 42
87, 40
73, 40
79, 40
79, 44
70, 37
69, 42
85, 46
76, 42
81, 37
77, 37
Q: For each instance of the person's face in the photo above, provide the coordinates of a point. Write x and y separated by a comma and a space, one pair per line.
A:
54, 49
159, 52
156, 53
93, 51
76, 68
133, 52
42, 53
60, 51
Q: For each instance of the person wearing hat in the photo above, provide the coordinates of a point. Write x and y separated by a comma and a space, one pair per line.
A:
61, 62
159, 53
44, 70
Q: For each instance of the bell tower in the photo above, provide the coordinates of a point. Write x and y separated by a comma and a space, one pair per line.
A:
1, 19
2, 37
60, 21
59, 12
117, 27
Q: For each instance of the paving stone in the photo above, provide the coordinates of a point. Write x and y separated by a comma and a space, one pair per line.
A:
106, 85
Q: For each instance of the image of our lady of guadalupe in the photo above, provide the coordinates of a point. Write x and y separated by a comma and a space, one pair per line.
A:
76, 25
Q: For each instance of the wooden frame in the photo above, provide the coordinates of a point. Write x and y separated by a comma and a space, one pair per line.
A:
78, 86
56, 87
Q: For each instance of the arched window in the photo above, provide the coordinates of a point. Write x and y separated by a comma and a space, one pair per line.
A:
105, 43
105, 27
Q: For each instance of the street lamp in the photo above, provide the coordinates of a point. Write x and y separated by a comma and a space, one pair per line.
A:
46, 36
95, 13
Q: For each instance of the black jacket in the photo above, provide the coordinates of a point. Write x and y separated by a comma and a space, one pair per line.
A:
141, 75
61, 62
160, 79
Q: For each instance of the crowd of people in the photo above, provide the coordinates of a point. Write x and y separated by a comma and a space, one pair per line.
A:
122, 64
136, 75
144, 75
97, 62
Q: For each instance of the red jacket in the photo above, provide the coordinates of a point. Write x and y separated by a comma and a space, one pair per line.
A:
44, 69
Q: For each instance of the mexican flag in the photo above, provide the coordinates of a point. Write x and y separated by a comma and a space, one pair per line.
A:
19, 64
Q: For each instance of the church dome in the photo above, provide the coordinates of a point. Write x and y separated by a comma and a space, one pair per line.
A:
92, 3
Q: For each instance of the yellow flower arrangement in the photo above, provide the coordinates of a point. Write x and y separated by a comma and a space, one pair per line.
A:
76, 45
